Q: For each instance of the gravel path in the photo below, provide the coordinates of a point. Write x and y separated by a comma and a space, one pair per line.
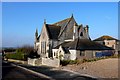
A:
106, 68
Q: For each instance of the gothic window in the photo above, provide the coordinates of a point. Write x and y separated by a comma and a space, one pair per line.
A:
43, 47
81, 34
54, 53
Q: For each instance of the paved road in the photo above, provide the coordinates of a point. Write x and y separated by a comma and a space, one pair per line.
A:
57, 74
10, 71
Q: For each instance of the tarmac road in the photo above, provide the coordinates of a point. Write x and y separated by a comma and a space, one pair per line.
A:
16, 73
10, 72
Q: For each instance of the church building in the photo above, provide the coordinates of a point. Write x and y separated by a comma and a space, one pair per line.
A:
66, 39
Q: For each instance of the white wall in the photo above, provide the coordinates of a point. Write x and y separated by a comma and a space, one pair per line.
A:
72, 54
61, 52
56, 52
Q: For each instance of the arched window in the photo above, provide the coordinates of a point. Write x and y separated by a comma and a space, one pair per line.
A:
81, 34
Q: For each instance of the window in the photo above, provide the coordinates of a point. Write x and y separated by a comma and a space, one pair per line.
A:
59, 51
43, 47
81, 34
113, 46
103, 43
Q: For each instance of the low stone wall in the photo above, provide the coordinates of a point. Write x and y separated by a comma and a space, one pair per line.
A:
34, 62
31, 61
18, 61
44, 61
51, 62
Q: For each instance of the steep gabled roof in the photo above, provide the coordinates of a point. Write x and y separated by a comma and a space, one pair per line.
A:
84, 44
53, 31
63, 24
105, 37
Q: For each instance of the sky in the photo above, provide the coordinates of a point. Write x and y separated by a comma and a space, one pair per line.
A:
20, 19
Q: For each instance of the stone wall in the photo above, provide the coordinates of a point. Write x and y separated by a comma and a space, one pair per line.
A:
18, 61
51, 62
44, 61
35, 62
31, 61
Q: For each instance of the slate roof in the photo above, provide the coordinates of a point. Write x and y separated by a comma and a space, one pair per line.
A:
62, 22
62, 44
84, 44
53, 31
56, 29
105, 37
65, 50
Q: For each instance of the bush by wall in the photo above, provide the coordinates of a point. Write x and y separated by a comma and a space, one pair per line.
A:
22, 53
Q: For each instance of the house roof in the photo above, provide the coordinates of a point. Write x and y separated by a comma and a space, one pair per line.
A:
62, 44
63, 24
105, 37
65, 49
84, 44
56, 29
53, 31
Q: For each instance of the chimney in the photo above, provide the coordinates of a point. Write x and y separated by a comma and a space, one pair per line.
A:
87, 29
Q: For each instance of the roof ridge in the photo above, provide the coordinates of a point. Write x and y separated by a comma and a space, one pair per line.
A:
53, 25
61, 21
105, 37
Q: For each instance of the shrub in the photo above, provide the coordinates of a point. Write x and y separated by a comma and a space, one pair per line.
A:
17, 56
33, 54
84, 60
22, 53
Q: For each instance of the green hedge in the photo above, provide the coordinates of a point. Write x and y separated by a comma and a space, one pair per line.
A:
17, 56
